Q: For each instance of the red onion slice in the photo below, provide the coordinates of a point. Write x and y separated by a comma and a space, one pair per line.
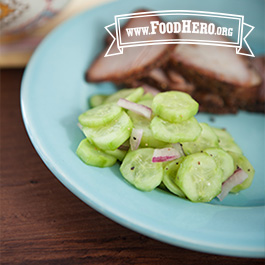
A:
137, 108
80, 126
237, 178
165, 154
179, 148
135, 139
150, 89
125, 146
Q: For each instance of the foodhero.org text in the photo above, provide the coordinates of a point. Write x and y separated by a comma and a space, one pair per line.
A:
185, 26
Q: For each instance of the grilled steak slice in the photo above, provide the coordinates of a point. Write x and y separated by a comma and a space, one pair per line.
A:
219, 79
165, 79
259, 105
212, 103
135, 62
218, 70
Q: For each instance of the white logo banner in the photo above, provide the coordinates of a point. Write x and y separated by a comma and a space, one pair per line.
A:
195, 25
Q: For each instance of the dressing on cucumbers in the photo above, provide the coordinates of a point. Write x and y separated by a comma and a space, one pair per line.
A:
138, 169
206, 139
174, 106
188, 130
93, 156
100, 115
199, 177
169, 177
112, 135
223, 160
208, 156
130, 94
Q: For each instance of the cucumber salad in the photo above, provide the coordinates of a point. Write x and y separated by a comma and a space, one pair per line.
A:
160, 144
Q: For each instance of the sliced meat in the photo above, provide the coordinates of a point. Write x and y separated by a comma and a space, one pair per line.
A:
259, 105
178, 82
159, 77
212, 103
259, 64
217, 70
219, 79
135, 62
167, 79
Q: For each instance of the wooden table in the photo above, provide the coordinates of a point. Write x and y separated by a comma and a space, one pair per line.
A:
44, 223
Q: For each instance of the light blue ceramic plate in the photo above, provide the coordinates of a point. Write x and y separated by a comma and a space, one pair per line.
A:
54, 93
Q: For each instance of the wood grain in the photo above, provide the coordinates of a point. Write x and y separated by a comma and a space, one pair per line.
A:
44, 223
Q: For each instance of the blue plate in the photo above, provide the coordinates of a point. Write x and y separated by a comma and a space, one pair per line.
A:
54, 93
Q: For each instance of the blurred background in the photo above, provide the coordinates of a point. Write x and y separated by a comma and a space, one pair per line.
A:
24, 24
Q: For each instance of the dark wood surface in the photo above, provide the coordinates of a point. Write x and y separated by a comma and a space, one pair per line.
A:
44, 223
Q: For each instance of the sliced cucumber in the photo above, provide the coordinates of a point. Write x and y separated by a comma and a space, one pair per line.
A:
206, 139
223, 134
174, 106
148, 140
169, 177
146, 102
212, 155
100, 115
170, 132
223, 160
97, 100
93, 156
138, 169
147, 96
131, 94
199, 177
162, 187
112, 135
226, 141
242, 162
119, 154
